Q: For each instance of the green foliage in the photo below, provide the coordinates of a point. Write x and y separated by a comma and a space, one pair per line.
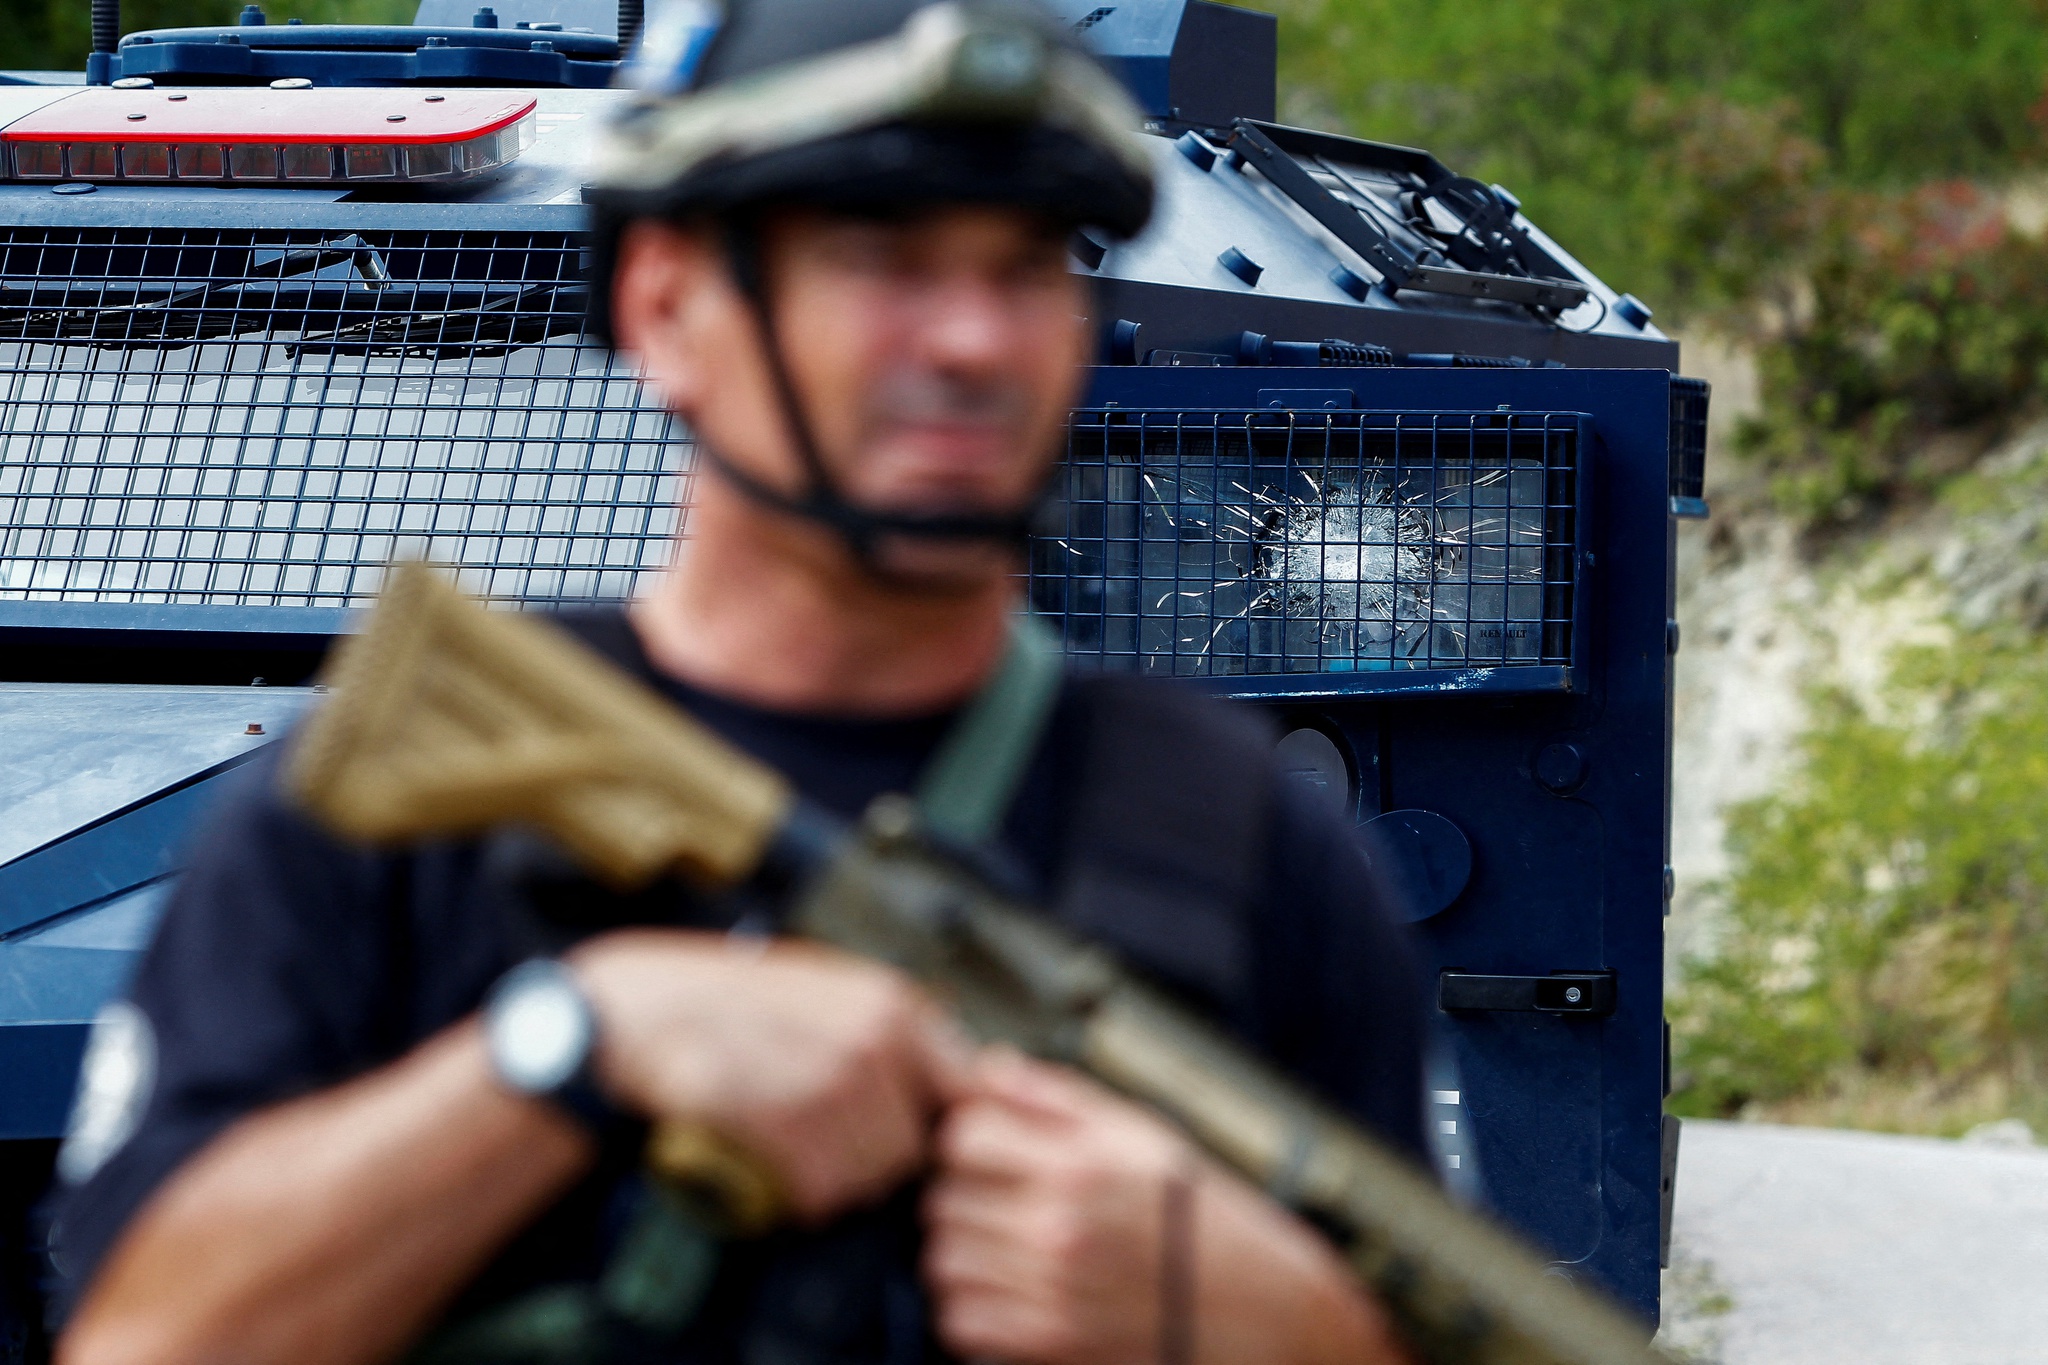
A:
1888, 916
1925, 313
1619, 122
1730, 195
55, 35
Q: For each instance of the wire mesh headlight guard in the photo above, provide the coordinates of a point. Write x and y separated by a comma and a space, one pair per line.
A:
265, 418
1395, 550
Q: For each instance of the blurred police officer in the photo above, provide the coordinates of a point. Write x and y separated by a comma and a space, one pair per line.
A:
835, 237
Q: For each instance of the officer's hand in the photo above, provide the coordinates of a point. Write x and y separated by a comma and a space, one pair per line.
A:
1045, 1246
830, 1067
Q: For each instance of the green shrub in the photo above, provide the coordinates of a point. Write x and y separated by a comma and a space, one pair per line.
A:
1887, 919
1923, 313
1732, 200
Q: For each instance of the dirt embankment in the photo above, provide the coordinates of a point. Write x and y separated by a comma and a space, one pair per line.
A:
1765, 619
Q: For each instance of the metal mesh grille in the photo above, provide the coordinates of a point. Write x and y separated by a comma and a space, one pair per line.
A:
1233, 543
267, 418
1689, 399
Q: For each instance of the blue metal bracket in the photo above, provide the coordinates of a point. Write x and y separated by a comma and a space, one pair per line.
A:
170, 625
130, 847
369, 55
49, 992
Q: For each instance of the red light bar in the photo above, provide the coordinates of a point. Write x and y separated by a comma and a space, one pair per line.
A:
245, 136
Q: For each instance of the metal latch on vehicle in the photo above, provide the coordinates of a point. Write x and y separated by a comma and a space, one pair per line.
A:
1557, 993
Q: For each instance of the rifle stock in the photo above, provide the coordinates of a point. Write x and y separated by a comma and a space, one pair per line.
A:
449, 720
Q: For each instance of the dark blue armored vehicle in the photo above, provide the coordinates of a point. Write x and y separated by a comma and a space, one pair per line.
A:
280, 302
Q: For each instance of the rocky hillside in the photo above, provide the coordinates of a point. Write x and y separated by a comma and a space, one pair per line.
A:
1763, 621
1861, 787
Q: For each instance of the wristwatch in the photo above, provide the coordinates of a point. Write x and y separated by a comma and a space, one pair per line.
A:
541, 1034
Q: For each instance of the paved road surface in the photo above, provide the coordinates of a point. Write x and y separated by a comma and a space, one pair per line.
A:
1801, 1246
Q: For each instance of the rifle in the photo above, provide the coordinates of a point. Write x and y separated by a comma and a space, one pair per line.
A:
447, 719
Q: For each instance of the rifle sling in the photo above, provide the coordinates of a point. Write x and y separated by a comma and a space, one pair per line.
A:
967, 786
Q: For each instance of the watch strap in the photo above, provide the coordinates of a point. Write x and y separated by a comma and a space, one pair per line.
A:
578, 1095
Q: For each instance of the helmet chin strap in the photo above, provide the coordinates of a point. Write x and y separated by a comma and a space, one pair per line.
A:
860, 528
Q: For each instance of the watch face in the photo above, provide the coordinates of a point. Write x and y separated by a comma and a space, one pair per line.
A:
540, 1031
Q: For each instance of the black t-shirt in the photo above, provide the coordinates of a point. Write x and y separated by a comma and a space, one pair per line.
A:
288, 961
